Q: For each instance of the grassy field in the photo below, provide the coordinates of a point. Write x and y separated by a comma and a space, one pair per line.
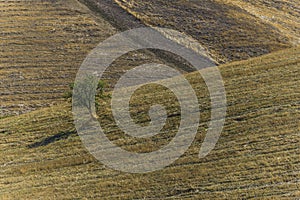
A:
229, 30
43, 43
42, 46
257, 155
283, 15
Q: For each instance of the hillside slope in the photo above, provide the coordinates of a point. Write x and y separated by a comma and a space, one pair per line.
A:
225, 28
43, 45
257, 155
284, 15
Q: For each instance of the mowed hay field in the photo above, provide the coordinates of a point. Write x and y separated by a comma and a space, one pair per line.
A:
256, 157
284, 15
229, 30
42, 45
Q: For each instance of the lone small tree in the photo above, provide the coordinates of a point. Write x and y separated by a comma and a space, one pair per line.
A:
85, 91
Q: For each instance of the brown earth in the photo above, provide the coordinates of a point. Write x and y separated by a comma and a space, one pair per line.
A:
227, 31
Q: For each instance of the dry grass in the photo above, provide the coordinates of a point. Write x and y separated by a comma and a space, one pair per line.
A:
41, 155
257, 155
284, 15
42, 45
227, 31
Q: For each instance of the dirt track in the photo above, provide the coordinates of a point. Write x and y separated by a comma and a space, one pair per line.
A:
113, 13
123, 20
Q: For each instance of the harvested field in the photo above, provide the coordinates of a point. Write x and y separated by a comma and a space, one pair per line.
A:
284, 15
257, 155
43, 43
227, 31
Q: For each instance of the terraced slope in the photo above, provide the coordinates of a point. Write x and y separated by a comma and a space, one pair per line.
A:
228, 31
257, 155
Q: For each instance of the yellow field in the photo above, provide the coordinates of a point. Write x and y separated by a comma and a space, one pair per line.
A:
257, 155
42, 46
43, 43
229, 30
283, 15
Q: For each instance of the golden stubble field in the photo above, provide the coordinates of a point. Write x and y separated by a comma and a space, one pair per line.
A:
42, 45
257, 155
229, 30
43, 42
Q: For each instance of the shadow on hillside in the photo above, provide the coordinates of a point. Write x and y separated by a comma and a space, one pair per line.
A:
52, 139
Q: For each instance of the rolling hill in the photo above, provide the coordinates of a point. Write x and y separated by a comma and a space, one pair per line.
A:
42, 46
257, 155
229, 30
43, 43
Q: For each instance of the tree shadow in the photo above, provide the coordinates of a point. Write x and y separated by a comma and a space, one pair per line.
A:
52, 139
